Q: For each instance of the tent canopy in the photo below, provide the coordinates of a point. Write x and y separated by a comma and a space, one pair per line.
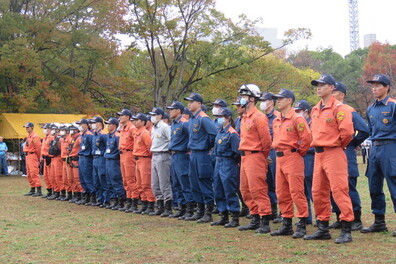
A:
11, 124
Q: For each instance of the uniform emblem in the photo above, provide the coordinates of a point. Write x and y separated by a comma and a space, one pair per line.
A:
385, 121
329, 120
174, 132
195, 130
340, 116
220, 141
289, 129
301, 127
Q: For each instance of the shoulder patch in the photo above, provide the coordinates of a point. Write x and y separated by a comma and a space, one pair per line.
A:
340, 115
301, 126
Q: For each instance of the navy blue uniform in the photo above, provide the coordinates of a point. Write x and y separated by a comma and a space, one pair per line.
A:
309, 159
225, 178
85, 163
99, 166
272, 167
113, 170
381, 118
180, 161
238, 125
202, 134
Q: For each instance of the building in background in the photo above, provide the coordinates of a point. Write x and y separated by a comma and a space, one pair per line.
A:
270, 35
369, 39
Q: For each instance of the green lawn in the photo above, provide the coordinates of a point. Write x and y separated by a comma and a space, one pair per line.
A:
34, 230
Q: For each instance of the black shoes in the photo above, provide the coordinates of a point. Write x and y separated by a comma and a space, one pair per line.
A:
168, 209
264, 227
207, 217
286, 229
234, 220
31, 192
301, 230
38, 193
322, 233
253, 225
223, 220
345, 235
379, 225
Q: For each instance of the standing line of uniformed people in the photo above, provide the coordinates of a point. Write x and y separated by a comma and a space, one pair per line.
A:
261, 161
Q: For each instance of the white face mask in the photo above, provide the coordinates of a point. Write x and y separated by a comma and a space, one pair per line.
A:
94, 126
45, 131
154, 120
215, 110
301, 113
53, 132
80, 128
263, 106
62, 133
71, 132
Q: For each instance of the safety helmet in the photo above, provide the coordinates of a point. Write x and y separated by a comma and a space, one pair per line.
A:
250, 89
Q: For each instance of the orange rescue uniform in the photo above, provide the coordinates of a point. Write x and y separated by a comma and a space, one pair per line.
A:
64, 142
73, 149
127, 160
255, 145
44, 154
32, 149
142, 153
332, 130
291, 142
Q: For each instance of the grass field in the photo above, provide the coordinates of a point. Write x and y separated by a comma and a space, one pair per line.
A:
34, 230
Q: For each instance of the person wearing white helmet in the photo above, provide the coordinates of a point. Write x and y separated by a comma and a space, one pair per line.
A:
254, 147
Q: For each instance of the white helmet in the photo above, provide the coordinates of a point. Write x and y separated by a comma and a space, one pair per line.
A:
250, 89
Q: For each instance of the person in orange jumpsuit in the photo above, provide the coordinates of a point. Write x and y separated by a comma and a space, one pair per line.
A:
47, 160
291, 142
332, 130
141, 151
72, 161
32, 150
64, 142
56, 163
254, 147
128, 163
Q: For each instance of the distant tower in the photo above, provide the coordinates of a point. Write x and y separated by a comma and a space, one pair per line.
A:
353, 25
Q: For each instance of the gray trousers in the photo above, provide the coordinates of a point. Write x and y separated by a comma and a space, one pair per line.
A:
160, 176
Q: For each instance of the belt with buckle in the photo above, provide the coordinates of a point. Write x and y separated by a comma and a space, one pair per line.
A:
27, 153
319, 149
139, 157
160, 152
283, 153
177, 152
125, 150
247, 152
383, 142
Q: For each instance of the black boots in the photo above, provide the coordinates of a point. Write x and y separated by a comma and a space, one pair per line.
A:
322, 233
198, 214
244, 210
182, 211
337, 224
286, 229
160, 208
113, 203
69, 196
234, 220
345, 235
38, 193
54, 196
264, 225
223, 220
31, 192
143, 209
127, 205
357, 223
379, 225
121, 203
134, 206
208, 214
168, 209
275, 217
189, 211
62, 195
253, 225
301, 230
49, 193
150, 208
76, 197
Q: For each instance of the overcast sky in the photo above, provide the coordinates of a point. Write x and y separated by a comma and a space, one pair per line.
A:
327, 19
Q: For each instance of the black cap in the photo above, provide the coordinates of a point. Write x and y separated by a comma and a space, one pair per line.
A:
112, 120
29, 124
224, 111
380, 78
220, 102
157, 111
324, 78
96, 119
302, 105
194, 97
237, 101
125, 112
340, 87
176, 105
285, 93
203, 108
82, 121
140, 116
46, 125
186, 111
267, 96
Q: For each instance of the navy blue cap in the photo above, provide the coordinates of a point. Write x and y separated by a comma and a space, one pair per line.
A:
267, 96
29, 124
157, 111
224, 111
186, 111
46, 125
140, 116
73, 127
203, 108
64, 127
380, 78
237, 101
340, 87
83, 121
176, 105
112, 120
302, 105
165, 116
125, 112
220, 102
324, 78
194, 97
96, 119
55, 126
285, 93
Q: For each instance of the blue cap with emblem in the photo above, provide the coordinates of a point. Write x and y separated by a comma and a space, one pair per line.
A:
285, 93
96, 119
224, 111
380, 78
220, 102
340, 87
302, 105
176, 105
325, 79
29, 124
157, 111
82, 121
194, 97
112, 120
267, 96
125, 112
186, 111
140, 116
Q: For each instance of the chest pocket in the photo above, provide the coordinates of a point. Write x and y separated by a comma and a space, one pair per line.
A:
196, 129
386, 121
